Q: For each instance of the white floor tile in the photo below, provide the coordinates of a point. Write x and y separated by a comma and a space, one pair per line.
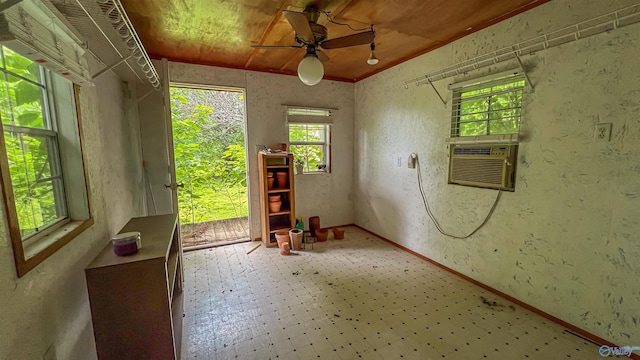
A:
357, 298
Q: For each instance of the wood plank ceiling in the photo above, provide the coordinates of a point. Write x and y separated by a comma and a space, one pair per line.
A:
221, 32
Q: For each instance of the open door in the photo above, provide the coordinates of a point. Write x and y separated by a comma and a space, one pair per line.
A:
210, 164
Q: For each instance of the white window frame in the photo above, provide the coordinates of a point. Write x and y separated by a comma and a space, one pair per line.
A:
61, 111
483, 83
297, 115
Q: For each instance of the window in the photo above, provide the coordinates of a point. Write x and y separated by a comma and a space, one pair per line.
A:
310, 138
309, 142
36, 106
487, 108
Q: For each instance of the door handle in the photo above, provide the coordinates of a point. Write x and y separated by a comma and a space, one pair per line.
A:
174, 186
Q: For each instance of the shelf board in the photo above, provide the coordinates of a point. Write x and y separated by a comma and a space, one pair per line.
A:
277, 166
172, 269
275, 191
177, 313
281, 212
279, 228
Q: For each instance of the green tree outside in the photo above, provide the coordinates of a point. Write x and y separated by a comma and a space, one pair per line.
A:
31, 144
490, 111
208, 131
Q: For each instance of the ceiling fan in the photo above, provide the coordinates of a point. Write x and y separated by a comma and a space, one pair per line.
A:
313, 36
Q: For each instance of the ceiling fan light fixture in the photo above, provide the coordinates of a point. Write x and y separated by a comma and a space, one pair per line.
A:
310, 70
372, 60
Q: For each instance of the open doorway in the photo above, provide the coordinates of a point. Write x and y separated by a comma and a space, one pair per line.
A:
210, 163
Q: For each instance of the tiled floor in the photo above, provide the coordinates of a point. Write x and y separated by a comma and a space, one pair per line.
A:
357, 298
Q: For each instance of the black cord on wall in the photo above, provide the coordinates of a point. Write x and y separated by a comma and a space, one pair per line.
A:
433, 218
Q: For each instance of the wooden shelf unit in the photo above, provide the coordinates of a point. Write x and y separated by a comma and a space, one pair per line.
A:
136, 300
285, 218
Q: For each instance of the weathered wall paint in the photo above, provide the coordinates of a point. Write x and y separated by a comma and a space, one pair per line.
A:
49, 306
566, 240
326, 195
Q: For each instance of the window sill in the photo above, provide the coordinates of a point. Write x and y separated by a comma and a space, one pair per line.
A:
315, 173
44, 247
486, 139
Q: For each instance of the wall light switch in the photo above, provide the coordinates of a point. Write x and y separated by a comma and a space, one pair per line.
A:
399, 162
603, 132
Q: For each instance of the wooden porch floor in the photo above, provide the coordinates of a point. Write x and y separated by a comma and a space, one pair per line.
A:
214, 232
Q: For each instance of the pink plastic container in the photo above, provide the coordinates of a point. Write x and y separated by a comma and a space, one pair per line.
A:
126, 243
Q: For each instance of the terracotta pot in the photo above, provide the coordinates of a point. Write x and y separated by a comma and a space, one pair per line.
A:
282, 147
314, 224
274, 206
282, 236
322, 234
282, 180
296, 239
270, 183
274, 198
338, 234
285, 250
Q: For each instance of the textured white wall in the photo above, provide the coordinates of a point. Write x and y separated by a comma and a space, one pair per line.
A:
566, 240
49, 306
326, 195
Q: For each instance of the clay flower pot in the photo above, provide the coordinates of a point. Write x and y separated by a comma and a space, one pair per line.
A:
314, 224
270, 180
274, 206
274, 198
282, 147
322, 234
338, 234
282, 179
282, 236
296, 239
284, 250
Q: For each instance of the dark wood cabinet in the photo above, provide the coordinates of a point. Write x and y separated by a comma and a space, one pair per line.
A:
136, 301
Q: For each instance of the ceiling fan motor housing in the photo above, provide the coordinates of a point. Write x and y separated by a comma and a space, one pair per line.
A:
319, 32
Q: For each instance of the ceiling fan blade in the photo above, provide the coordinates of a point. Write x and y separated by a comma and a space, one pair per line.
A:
349, 40
300, 25
277, 46
322, 56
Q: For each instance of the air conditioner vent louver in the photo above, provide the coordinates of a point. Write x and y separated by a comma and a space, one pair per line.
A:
472, 151
483, 166
480, 170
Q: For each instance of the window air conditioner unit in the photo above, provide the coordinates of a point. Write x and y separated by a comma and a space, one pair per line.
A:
487, 166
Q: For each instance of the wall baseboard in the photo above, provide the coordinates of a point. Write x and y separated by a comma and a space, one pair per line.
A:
571, 328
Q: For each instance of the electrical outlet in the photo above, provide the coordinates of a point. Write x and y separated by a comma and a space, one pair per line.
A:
399, 161
603, 132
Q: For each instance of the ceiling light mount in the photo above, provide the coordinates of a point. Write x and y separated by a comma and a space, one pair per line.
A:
372, 60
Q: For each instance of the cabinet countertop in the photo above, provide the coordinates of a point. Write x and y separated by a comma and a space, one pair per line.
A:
156, 233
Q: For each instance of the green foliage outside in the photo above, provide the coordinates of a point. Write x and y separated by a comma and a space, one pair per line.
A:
31, 154
311, 155
208, 135
491, 110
